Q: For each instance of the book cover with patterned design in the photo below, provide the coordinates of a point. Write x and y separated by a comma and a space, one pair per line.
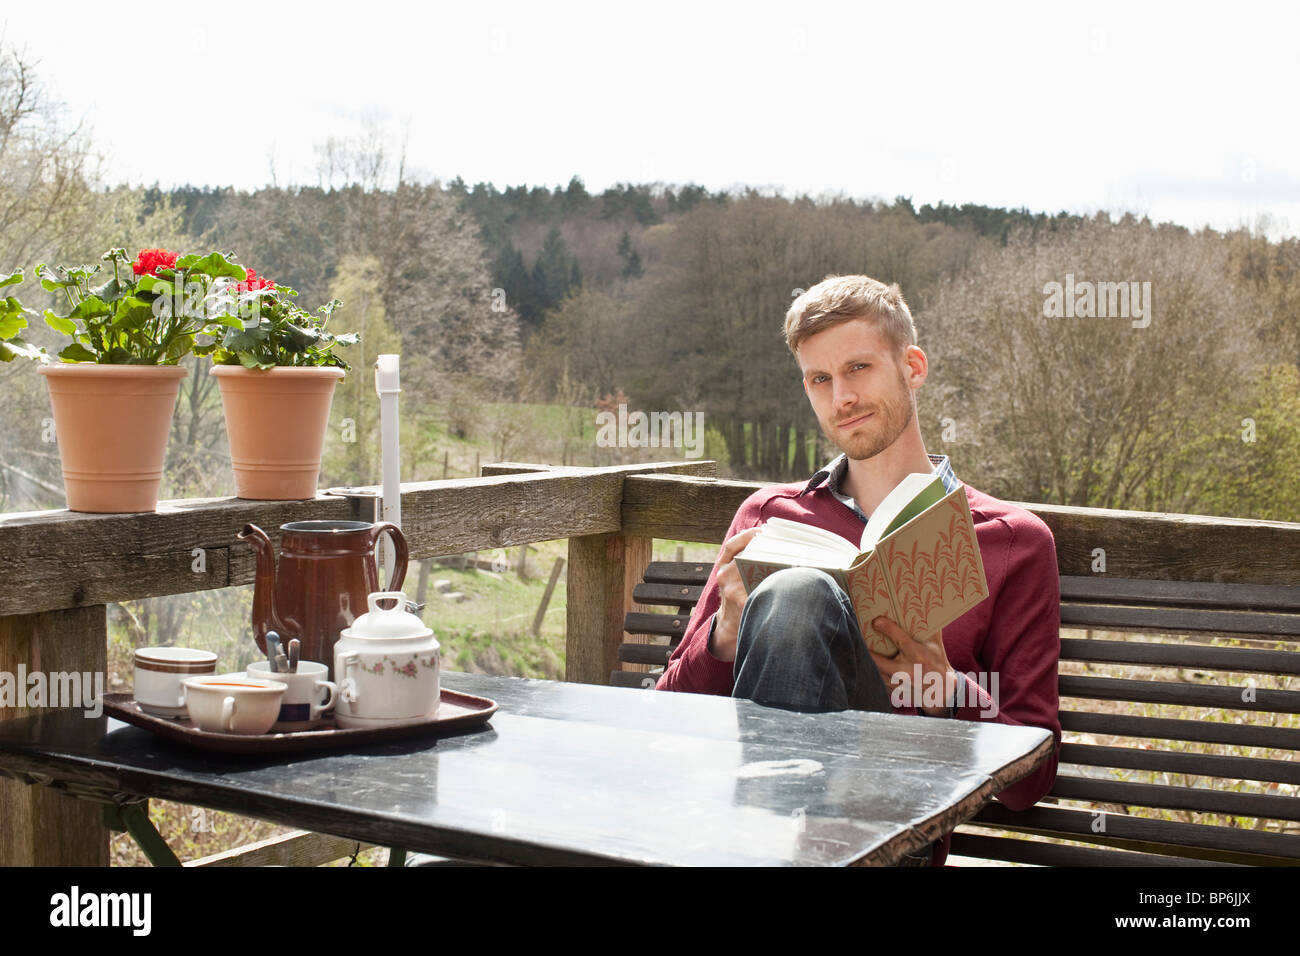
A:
924, 575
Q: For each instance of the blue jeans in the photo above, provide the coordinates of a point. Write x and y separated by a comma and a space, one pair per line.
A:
800, 648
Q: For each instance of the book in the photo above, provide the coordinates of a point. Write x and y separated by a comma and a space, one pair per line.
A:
917, 563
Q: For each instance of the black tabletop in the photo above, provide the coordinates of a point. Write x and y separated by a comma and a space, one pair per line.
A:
574, 774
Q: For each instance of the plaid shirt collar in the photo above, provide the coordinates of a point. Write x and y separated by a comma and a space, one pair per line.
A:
833, 474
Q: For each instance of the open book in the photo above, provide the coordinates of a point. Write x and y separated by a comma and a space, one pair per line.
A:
917, 563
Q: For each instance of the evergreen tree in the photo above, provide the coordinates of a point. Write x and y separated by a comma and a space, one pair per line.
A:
631, 258
553, 272
576, 197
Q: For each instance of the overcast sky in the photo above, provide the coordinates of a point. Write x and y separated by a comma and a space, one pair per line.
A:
1173, 111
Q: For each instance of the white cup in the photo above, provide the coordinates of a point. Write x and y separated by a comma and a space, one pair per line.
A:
159, 672
307, 694
233, 703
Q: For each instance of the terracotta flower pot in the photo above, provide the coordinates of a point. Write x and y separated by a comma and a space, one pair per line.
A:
112, 423
275, 422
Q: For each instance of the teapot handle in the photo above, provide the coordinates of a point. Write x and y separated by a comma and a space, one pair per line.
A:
397, 573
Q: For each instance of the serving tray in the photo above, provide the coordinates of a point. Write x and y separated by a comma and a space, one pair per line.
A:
457, 712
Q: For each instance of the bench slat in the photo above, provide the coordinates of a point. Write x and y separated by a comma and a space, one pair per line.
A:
1188, 695
1228, 844
1198, 799
1015, 850
644, 653
1168, 761
1169, 654
1170, 728
676, 594
1177, 620
1249, 597
662, 625
677, 572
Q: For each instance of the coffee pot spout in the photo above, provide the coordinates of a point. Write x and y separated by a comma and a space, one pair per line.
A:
264, 611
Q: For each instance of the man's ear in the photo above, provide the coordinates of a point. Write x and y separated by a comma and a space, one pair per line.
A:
918, 366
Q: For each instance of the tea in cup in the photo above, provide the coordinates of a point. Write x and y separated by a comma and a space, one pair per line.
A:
233, 703
159, 672
307, 696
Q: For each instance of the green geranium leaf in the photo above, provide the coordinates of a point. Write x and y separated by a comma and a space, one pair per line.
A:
12, 278
60, 324
132, 314
51, 281
214, 264
91, 307
11, 321
177, 348
17, 348
300, 338
348, 338
186, 261
109, 291
76, 352
249, 360
244, 340
119, 355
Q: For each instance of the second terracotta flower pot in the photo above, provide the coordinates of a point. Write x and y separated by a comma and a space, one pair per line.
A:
112, 423
275, 422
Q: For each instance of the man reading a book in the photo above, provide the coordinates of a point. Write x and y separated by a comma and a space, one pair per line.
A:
795, 641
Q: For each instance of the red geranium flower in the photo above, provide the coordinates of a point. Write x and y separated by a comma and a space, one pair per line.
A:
149, 261
252, 283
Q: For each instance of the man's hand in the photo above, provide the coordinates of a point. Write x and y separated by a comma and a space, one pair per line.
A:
732, 592
935, 669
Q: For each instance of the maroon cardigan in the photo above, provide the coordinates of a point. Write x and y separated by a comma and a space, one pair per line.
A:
1014, 633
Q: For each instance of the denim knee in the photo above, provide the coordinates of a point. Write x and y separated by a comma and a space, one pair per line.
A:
790, 604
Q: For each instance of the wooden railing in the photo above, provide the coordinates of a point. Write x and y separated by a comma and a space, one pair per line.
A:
59, 570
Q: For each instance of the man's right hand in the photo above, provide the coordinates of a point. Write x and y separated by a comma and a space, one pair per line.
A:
732, 592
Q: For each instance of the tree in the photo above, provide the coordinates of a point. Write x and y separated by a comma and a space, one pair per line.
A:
1091, 410
553, 273
586, 338
352, 455
631, 258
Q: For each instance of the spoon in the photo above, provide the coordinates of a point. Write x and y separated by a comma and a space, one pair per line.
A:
294, 647
273, 653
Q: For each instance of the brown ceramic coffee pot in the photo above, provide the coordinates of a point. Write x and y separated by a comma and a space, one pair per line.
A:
327, 570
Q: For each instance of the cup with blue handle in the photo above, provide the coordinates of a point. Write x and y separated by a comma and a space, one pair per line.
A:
308, 694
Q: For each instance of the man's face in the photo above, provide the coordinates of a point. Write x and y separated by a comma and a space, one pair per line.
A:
860, 391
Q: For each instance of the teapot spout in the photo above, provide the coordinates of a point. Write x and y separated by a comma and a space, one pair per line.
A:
264, 615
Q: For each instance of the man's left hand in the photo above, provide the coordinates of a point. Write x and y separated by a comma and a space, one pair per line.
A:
936, 672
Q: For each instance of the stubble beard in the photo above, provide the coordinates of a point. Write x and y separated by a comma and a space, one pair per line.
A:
891, 419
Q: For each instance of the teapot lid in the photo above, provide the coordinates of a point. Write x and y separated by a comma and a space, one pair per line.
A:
381, 623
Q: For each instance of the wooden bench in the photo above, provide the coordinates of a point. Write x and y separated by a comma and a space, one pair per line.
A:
1162, 626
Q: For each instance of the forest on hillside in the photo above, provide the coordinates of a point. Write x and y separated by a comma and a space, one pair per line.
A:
670, 297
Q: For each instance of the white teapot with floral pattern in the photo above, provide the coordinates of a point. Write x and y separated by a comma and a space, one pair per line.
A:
386, 665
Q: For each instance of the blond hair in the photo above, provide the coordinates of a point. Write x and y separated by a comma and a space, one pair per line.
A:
839, 299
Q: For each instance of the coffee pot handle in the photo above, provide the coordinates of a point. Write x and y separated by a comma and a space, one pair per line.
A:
397, 573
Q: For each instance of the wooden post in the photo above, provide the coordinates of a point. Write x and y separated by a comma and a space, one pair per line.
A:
446, 456
422, 588
603, 570
39, 826
522, 570
546, 596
